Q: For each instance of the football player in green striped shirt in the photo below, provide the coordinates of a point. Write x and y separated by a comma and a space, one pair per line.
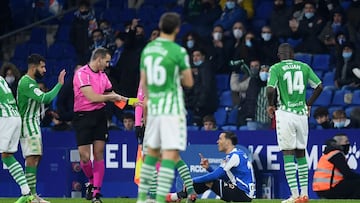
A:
290, 78
164, 67
29, 98
10, 126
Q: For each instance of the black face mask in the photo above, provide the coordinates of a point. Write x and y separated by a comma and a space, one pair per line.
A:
38, 75
345, 148
83, 13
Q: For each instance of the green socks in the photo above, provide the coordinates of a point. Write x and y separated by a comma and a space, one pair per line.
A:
146, 176
17, 173
290, 173
184, 172
303, 172
30, 173
165, 178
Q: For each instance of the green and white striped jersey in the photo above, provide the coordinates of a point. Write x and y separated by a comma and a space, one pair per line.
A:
29, 98
291, 77
163, 61
8, 106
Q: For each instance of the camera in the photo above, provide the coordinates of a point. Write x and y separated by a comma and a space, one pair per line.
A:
239, 66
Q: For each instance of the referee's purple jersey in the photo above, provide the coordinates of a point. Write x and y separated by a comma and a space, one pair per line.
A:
98, 81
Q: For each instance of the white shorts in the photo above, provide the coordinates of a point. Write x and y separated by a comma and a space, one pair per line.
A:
10, 130
165, 132
292, 130
31, 142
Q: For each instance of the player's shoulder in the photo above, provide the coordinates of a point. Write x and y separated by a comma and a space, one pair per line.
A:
25, 80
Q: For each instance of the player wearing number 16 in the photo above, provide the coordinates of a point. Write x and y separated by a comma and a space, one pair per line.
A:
164, 67
290, 78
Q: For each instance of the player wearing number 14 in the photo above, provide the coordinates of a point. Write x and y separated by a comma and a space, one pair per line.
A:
290, 78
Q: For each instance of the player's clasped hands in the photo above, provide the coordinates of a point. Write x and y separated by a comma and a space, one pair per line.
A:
204, 162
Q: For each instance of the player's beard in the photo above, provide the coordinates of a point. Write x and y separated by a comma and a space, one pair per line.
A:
38, 75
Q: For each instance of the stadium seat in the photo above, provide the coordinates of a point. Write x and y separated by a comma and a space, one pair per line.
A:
233, 117
38, 35
68, 51
112, 15
229, 127
63, 33
319, 73
321, 62
257, 24
294, 42
306, 58
38, 49
348, 110
334, 108
324, 99
225, 99
21, 51
192, 128
328, 79
126, 15
338, 98
356, 97
222, 82
220, 116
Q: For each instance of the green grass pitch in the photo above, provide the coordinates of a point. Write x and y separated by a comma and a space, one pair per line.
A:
122, 200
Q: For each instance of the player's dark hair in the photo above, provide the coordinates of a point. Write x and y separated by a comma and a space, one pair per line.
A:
285, 51
169, 22
231, 136
99, 52
35, 59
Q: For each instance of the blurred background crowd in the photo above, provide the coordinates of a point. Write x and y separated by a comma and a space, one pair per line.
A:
231, 44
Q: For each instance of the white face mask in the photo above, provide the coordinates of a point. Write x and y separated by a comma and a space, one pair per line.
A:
10, 79
237, 33
266, 36
217, 35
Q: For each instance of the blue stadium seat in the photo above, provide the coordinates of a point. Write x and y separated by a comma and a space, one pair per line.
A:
185, 28
192, 128
55, 51
67, 19
233, 116
38, 35
348, 110
21, 51
321, 62
222, 82
220, 116
38, 49
63, 33
69, 51
257, 24
117, 3
338, 98
20, 64
356, 97
229, 127
126, 15
328, 79
225, 99
112, 15
303, 57
345, 5
334, 108
324, 99
319, 73
293, 42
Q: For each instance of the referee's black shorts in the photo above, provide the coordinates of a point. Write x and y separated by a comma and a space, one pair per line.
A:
90, 126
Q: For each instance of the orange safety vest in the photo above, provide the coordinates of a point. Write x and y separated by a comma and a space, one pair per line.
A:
326, 175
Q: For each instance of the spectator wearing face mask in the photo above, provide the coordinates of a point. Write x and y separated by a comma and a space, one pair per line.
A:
216, 50
231, 14
262, 119
234, 43
82, 26
269, 44
308, 30
340, 121
353, 18
202, 100
250, 89
108, 32
190, 42
333, 178
346, 64
11, 75
99, 40
321, 116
